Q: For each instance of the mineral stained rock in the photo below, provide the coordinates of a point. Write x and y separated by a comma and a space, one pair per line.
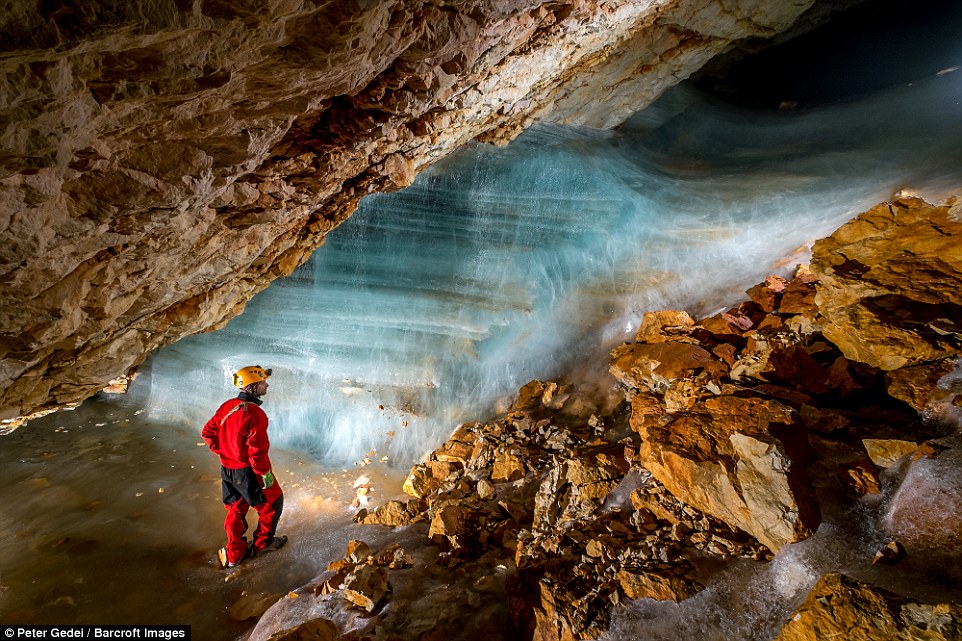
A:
723, 458
884, 452
164, 161
740, 458
890, 291
841, 607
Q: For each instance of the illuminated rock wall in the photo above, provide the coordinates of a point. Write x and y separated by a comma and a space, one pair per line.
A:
163, 162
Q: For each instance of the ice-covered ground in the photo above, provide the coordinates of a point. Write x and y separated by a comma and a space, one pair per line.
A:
108, 518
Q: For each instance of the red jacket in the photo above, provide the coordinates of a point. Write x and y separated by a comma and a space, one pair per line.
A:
237, 433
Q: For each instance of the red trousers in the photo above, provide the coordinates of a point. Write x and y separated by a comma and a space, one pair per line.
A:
237, 502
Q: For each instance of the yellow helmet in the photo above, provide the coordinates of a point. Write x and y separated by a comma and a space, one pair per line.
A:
251, 374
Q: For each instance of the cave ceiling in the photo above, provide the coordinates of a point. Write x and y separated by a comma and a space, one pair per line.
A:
163, 161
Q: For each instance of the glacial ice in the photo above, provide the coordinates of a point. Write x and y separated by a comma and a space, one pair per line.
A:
500, 265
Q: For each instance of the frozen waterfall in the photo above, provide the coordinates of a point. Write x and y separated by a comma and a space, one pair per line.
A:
500, 265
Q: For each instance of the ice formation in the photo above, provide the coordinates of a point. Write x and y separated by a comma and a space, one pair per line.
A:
500, 265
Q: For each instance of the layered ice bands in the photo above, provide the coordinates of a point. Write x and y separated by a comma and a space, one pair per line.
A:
500, 265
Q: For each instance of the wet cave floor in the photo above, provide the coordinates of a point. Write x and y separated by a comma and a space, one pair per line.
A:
106, 518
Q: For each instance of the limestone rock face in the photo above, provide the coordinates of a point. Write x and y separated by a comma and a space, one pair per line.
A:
723, 406
841, 607
365, 586
859, 477
918, 385
732, 458
391, 514
890, 292
884, 452
648, 585
164, 161
654, 366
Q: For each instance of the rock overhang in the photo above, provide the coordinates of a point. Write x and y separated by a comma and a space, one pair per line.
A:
163, 164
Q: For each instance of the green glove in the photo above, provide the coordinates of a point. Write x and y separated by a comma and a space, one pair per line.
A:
268, 479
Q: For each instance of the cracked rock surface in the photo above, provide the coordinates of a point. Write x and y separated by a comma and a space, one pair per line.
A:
163, 161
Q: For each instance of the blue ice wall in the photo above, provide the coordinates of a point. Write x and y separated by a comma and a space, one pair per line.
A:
500, 265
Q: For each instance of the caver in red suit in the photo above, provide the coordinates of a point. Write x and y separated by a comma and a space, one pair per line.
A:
237, 434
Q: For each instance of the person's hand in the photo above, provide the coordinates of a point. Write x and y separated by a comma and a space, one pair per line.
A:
268, 479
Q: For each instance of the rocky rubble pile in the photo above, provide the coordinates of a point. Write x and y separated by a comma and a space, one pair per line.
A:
539, 483
711, 452
361, 575
841, 607
344, 596
600, 509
